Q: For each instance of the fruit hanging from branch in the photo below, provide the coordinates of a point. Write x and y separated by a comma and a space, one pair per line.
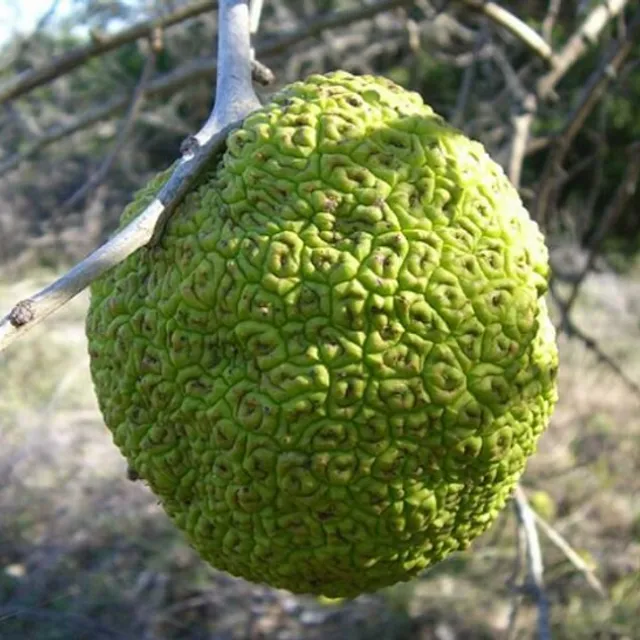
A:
333, 365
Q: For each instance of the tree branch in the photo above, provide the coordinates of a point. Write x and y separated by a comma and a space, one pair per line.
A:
29, 80
591, 94
197, 69
535, 581
122, 139
549, 21
625, 191
504, 18
233, 81
577, 45
568, 551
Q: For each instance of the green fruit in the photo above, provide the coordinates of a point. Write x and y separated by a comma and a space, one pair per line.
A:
333, 367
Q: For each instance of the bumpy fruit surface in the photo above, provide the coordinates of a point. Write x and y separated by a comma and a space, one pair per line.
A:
333, 367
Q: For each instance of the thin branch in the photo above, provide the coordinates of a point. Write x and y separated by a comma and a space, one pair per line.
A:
166, 83
29, 38
194, 70
122, 139
593, 91
332, 20
535, 579
468, 79
568, 551
523, 111
504, 18
516, 579
27, 313
521, 121
571, 330
550, 18
255, 12
234, 80
587, 35
33, 78
625, 191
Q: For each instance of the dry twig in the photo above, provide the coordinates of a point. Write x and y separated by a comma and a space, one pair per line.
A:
29, 80
504, 18
550, 19
590, 96
121, 140
555, 537
534, 582
195, 70
578, 44
235, 98
625, 191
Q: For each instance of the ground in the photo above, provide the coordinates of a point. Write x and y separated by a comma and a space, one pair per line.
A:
86, 553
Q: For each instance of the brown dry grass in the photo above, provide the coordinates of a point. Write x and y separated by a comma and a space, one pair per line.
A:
84, 553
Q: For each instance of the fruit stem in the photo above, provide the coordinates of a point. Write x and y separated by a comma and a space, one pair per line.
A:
235, 97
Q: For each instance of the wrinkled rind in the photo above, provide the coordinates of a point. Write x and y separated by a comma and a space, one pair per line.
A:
333, 368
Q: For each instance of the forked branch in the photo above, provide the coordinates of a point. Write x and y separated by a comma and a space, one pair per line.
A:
235, 99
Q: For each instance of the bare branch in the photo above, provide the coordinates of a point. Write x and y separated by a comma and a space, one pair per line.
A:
555, 537
33, 78
591, 94
515, 580
194, 70
30, 312
550, 19
166, 83
234, 81
27, 39
521, 122
504, 18
623, 194
121, 140
571, 330
468, 78
255, 12
535, 580
329, 21
576, 47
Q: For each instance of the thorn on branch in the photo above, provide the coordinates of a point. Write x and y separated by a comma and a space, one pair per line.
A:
261, 74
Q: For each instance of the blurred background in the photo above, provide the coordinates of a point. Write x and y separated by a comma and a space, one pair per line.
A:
97, 95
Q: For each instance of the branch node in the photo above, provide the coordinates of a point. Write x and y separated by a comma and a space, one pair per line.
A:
22, 313
189, 146
261, 74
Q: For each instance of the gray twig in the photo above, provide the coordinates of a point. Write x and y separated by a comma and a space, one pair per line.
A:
591, 94
504, 18
534, 583
549, 21
196, 69
568, 551
33, 78
625, 191
587, 34
121, 140
235, 98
